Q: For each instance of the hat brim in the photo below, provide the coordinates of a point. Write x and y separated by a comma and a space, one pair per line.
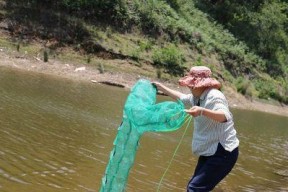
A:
194, 82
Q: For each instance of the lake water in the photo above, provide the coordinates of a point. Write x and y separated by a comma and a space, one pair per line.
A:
56, 135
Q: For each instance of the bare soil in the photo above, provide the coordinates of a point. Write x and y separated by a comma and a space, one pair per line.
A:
90, 74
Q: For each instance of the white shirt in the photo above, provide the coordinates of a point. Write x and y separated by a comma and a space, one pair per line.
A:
208, 132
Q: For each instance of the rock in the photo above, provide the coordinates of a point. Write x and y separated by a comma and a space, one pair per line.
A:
80, 69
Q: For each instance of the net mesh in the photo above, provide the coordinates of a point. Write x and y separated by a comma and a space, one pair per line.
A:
140, 114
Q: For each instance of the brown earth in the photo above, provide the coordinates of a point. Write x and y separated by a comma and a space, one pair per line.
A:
91, 74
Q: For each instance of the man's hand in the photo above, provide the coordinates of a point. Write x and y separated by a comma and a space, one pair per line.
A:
157, 85
195, 111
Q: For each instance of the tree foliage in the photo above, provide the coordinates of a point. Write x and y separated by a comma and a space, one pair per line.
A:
261, 24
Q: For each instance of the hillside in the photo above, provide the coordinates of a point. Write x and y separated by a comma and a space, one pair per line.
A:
156, 39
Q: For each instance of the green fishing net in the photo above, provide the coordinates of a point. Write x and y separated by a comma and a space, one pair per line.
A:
140, 114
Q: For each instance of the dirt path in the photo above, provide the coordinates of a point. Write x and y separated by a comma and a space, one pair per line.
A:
92, 75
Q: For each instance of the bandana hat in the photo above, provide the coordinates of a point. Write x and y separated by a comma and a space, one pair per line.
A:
199, 76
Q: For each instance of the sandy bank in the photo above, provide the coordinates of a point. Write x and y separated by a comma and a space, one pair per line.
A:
92, 75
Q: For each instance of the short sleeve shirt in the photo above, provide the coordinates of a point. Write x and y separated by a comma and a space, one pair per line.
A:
208, 132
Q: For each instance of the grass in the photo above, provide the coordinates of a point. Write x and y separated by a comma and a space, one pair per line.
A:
4, 43
125, 43
135, 45
68, 55
201, 42
30, 50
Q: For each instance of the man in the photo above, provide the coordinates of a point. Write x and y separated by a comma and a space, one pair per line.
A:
214, 137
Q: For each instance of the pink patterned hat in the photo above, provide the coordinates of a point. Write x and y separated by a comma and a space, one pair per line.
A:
199, 76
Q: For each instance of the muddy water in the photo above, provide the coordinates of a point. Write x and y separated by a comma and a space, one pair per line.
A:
56, 135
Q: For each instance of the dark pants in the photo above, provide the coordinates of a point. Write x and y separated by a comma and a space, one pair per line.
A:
212, 169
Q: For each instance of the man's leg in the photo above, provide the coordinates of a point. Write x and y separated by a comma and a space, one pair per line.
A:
211, 171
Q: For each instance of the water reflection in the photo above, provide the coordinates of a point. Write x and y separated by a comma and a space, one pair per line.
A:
56, 135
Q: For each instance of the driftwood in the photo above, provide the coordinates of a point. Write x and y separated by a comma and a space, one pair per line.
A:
112, 84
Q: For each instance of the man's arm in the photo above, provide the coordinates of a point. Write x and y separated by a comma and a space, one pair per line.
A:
215, 115
170, 92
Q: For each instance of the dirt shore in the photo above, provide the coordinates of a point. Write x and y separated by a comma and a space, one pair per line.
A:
92, 75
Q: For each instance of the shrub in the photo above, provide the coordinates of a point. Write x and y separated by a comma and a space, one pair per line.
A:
101, 68
171, 59
136, 54
242, 85
266, 88
159, 73
18, 46
89, 58
145, 45
45, 55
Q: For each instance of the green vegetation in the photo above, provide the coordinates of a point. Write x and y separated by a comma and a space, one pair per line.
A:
169, 58
45, 55
101, 68
245, 87
234, 38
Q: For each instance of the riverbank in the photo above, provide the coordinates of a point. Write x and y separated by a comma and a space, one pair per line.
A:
91, 74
